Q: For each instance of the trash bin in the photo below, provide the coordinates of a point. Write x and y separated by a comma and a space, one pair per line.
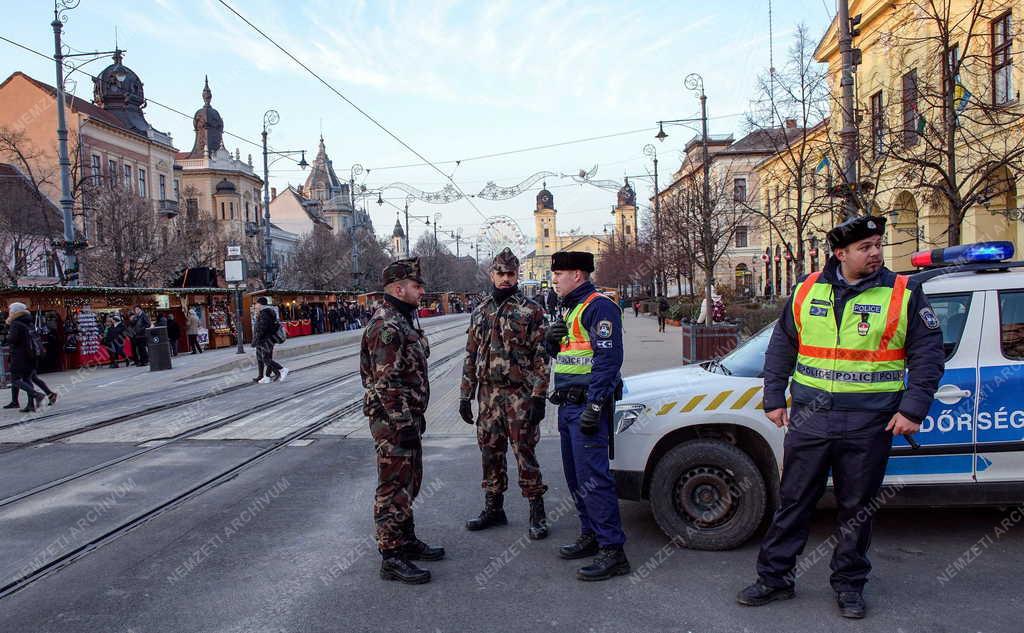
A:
159, 348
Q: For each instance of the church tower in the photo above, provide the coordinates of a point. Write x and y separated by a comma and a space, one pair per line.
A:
624, 215
544, 224
398, 241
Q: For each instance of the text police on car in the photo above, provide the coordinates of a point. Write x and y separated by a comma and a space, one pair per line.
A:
864, 351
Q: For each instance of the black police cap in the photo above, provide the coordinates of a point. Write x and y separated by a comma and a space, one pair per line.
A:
855, 229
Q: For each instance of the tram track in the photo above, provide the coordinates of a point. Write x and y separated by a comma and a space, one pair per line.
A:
58, 563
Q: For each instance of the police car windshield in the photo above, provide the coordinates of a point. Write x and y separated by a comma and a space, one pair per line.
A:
747, 360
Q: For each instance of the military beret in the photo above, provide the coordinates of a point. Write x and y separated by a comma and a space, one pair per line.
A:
402, 269
854, 230
573, 260
505, 261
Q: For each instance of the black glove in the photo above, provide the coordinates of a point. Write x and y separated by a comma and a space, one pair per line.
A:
423, 424
466, 411
409, 437
590, 418
537, 412
557, 332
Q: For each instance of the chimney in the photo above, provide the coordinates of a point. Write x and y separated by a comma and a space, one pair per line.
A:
790, 124
273, 192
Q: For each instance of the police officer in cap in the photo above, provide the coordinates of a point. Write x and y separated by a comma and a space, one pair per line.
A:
864, 352
587, 348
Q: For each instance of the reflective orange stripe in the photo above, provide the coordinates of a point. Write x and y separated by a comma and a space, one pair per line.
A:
892, 319
801, 294
575, 346
842, 353
577, 331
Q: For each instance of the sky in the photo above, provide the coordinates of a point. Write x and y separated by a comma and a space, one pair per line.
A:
453, 80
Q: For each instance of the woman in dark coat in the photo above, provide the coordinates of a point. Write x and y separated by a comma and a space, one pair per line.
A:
23, 358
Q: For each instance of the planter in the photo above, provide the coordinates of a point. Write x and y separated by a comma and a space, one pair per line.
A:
674, 322
702, 342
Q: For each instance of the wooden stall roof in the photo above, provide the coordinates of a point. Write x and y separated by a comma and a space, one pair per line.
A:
96, 290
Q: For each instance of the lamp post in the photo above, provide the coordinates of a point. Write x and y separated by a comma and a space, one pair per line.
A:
695, 82
652, 152
270, 119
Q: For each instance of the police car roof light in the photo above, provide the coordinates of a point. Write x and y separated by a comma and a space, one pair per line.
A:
963, 254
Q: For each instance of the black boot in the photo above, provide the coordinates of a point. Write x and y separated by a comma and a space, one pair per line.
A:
492, 514
415, 549
585, 545
759, 593
851, 604
538, 519
11, 405
396, 566
610, 561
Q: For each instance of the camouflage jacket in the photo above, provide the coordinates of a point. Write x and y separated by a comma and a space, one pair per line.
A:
505, 346
393, 365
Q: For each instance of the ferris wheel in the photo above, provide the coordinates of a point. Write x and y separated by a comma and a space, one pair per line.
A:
501, 231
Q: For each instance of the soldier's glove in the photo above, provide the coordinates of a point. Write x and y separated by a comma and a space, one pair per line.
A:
537, 412
409, 438
557, 332
466, 411
590, 418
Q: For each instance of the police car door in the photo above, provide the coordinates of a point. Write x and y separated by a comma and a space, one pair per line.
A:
1000, 420
947, 436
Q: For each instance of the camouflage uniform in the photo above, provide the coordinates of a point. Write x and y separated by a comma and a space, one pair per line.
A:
393, 365
505, 367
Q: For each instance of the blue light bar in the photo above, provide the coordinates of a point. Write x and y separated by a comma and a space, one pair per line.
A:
964, 254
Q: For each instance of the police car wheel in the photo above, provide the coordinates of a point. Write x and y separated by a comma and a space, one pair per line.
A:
708, 495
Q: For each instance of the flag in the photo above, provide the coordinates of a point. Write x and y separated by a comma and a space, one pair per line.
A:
921, 123
961, 96
822, 165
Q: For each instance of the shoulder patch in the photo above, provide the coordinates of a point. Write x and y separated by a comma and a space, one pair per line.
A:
930, 320
604, 329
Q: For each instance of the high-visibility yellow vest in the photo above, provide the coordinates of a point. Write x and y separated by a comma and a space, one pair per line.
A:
575, 355
865, 353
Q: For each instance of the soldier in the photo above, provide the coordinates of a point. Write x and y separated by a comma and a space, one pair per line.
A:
393, 365
588, 357
506, 369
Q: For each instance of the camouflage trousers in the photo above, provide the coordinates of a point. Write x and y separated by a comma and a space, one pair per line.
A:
504, 416
399, 477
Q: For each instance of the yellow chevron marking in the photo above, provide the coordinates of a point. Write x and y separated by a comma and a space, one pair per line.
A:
760, 404
719, 399
692, 404
746, 397
668, 407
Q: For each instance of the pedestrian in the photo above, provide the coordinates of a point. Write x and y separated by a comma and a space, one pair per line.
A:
192, 331
264, 337
506, 370
587, 348
393, 365
636, 308
849, 336
113, 340
552, 303
26, 348
173, 333
138, 323
714, 314
662, 310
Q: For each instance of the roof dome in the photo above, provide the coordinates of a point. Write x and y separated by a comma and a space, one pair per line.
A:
118, 90
208, 124
627, 197
545, 200
226, 186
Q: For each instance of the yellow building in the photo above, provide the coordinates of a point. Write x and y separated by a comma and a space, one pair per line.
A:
547, 241
938, 97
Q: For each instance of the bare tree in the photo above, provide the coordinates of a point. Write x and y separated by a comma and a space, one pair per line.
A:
960, 139
322, 260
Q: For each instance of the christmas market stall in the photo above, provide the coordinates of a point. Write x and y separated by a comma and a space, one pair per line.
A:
73, 321
302, 312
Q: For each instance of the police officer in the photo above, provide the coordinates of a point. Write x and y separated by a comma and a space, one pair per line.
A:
506, 368
587, 348
864, 351
393, 365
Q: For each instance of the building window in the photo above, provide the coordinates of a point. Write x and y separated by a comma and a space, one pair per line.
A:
128, 177
910, 113
223, 213
142, 182
247, 212
95, 170
546, 232
741, 237
1002, 61
163, 187
112, 172
177, 189
739, 189
192, 209
877, 124
629, 229
231, 206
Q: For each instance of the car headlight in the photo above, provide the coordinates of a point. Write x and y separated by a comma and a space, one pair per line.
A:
626, 415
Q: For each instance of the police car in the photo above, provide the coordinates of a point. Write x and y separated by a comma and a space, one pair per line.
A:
694, 440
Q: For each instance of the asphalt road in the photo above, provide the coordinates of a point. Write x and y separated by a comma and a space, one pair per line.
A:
286, 546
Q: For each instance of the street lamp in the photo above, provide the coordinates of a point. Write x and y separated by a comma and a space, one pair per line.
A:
270, 119
695, 83
651, 152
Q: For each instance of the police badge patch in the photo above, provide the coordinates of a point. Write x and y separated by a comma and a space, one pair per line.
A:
604, 329
930, 320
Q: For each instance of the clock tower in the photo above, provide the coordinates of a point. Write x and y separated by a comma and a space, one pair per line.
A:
545, 224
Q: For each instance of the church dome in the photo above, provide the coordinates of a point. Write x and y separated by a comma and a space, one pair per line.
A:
118, 90
208, 125
545, 200
627, 197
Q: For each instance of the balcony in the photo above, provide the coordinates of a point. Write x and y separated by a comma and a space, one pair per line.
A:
252, 229
167, 208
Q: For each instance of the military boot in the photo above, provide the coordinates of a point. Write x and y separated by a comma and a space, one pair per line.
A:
415, 549
538, 519
610, 561
396, 566
492, 514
